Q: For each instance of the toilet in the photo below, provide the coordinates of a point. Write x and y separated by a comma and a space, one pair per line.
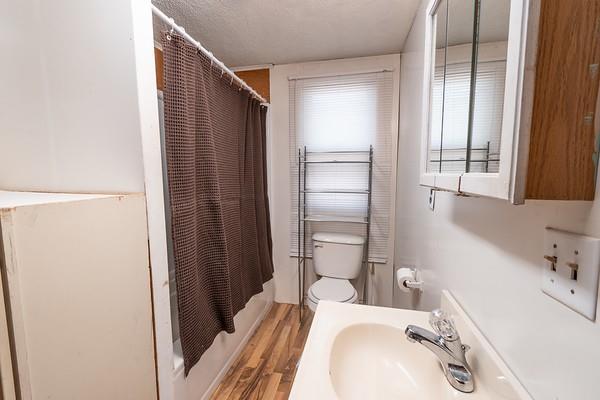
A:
337, 258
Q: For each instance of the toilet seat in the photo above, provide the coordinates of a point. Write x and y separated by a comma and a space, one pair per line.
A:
332, 289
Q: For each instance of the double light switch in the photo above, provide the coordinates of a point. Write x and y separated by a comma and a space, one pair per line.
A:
571, 268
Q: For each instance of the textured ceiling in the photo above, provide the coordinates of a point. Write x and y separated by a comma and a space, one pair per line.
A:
251, 32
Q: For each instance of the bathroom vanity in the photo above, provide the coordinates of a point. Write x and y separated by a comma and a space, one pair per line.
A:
362, 352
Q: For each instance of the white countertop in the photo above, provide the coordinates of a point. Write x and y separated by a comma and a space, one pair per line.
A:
493, 379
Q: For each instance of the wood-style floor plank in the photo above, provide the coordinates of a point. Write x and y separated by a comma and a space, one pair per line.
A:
271, 389
266, 367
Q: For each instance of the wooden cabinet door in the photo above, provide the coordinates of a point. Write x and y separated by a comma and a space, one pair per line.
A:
562, 142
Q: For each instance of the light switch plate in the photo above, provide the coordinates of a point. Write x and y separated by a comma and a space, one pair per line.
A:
579, 294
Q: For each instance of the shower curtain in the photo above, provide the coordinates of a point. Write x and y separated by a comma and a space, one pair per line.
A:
216, 169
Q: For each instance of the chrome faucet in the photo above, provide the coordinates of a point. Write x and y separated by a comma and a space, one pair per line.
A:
448, 348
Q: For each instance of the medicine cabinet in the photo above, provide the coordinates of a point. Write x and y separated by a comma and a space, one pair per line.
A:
499, 75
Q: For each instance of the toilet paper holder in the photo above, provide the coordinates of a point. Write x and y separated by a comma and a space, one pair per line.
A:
415, 285
407, 279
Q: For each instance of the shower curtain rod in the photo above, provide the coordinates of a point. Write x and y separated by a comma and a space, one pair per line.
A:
171, 22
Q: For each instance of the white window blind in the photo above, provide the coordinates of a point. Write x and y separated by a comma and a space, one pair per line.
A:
345, 114
487, 115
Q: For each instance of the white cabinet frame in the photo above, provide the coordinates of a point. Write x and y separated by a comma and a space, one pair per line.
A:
508, 182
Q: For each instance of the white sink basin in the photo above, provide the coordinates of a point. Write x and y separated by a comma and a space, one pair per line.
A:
361, 352
375, 361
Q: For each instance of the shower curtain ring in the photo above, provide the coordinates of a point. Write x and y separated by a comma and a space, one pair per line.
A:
172, 30
231, 83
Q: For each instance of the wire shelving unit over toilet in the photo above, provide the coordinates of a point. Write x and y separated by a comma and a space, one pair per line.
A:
330, 157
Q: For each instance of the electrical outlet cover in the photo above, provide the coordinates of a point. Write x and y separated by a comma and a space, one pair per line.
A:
432, 199
581, 294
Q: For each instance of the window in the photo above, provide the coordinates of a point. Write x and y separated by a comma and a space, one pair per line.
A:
487, 116
346, 114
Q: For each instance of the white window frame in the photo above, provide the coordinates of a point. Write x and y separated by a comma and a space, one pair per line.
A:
384, 256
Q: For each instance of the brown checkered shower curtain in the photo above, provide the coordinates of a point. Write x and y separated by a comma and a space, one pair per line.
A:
216, 168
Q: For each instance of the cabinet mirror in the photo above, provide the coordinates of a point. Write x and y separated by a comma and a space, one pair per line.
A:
483, 144
468, 69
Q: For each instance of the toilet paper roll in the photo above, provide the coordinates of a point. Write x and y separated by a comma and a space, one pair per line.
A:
402, 275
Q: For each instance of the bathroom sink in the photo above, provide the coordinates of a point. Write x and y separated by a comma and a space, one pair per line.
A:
375, 361
361, 352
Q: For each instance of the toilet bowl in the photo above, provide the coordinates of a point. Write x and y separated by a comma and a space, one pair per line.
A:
337, 258
332, 289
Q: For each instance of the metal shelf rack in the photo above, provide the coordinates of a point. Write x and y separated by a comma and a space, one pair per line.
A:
487, 159
303, 218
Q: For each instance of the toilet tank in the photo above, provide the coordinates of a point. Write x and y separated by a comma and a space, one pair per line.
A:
337, 255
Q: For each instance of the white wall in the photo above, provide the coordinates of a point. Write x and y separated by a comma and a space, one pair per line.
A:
79, 114
489, 255
69, 97
286, 272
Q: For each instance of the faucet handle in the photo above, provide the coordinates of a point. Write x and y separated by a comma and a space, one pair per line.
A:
443, 325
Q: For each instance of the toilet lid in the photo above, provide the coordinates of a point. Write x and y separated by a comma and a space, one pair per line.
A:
332, 289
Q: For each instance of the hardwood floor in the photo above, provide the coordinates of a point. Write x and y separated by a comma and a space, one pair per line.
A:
266, 367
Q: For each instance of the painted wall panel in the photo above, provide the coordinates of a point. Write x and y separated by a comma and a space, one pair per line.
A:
69, 111
77, 275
